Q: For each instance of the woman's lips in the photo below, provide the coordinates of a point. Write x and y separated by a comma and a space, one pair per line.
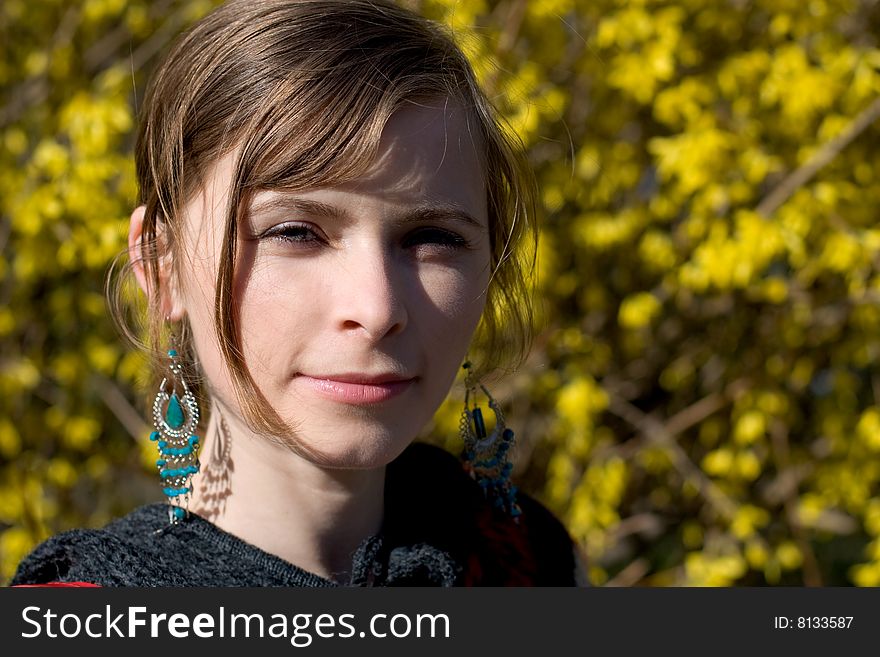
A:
353, 392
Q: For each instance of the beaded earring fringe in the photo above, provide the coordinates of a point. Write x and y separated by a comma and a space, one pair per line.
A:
175, 418
486, 456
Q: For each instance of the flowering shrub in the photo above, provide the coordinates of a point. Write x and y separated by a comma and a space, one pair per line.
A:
701, 404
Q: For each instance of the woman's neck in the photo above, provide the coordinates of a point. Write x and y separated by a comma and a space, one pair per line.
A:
275, 499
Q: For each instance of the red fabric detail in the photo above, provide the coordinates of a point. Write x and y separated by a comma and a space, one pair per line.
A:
473, 573
59, 585
506, 557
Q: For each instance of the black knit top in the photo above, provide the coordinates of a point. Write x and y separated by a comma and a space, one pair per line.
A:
437, 531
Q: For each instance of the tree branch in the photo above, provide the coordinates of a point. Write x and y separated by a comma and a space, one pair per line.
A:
119, 405
506, 42
800, 176
656, 432
631, 574
35, 90
781, 454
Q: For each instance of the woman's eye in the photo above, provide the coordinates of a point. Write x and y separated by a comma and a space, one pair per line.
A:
435, 236
297, 233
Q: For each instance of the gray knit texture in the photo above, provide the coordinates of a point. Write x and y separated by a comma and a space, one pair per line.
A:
430, 533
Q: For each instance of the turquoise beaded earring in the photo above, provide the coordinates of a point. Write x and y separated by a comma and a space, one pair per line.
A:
176, 418
486, 456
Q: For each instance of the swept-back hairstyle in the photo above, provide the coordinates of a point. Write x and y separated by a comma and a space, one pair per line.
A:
302, 90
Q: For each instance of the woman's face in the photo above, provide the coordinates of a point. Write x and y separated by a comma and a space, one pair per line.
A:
357, 302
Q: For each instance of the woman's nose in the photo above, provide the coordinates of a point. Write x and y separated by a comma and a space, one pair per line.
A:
371, 294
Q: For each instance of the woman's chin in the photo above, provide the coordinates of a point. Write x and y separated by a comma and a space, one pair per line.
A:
371, 450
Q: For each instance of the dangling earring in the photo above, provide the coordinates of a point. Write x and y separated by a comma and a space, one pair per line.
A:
485, 457
176, 417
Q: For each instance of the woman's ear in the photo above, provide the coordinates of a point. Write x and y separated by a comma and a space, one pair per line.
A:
169, 304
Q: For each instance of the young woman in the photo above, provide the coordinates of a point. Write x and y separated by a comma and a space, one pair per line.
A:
329, 212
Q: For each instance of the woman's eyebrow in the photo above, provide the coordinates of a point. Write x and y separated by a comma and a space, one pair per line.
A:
303, 205
418, 213
439, 212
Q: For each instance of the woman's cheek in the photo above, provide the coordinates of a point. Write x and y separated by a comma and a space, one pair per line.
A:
197, 286
459, 294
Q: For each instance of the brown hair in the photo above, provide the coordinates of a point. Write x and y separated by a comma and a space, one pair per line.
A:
304, 88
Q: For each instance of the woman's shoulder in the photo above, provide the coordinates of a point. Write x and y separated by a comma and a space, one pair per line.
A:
536, 549
144, 549
109, 556
563, 561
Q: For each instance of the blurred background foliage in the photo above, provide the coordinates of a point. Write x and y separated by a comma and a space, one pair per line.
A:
702, 404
